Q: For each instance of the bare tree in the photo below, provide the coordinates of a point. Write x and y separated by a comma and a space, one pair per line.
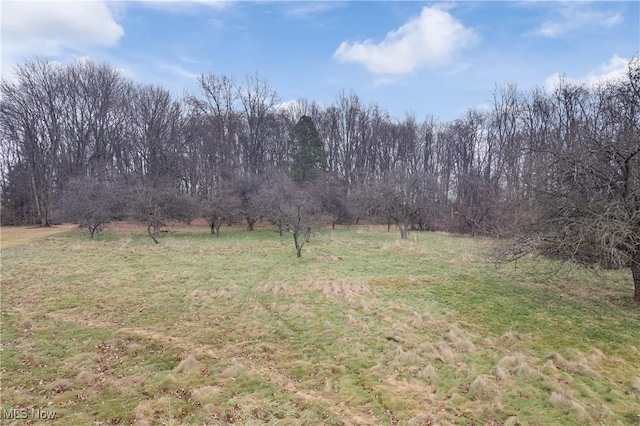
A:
275, 189
331, 196
156, 133
290, 208
258, 101
158, 203
247, 189
93, 202
405, 198
94, 119
216, 116
222, 206
589, 201
30, 113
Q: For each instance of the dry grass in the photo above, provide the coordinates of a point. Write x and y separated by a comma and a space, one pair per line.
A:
573, 367
566, 403
483, 388
365, 329
11, 236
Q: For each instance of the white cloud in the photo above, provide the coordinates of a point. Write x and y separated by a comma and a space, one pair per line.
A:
611, 71
287, 105
177, 6
427, 41
47, 27
305, 9
179, 71
572, 16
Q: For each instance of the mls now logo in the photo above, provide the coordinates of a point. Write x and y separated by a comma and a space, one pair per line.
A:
23, 413
15, 414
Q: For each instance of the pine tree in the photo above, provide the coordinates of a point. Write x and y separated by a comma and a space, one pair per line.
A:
306, 151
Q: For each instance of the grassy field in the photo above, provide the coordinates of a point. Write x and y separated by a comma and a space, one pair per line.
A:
365, 329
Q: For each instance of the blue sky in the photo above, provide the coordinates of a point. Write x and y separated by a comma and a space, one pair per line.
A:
428, 58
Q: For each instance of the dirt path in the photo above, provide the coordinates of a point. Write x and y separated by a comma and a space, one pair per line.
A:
11, 236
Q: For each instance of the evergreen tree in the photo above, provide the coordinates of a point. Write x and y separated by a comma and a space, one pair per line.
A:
306, 151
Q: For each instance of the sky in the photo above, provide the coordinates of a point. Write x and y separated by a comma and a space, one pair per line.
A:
422, 58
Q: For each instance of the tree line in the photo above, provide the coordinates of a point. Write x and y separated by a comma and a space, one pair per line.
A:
558, 171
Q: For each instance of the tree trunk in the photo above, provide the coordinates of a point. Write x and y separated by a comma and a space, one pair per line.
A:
404, 231
37, 199
635, 270
218, 225
298, 245
153, 234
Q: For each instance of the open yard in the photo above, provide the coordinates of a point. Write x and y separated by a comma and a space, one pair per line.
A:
364, 329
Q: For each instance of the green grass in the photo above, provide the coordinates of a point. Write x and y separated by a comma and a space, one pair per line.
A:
363, 329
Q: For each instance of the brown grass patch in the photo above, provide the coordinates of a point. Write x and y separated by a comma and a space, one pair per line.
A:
429, 419
25, 324
509, 339
188, 365
461, 344
205, 394
152, 410
85, 377
299, 309
328, 258
462, 370
483, 388
402, 359
233, 371
566, 403
500, 373
572, 367
60, 385
225, 293
84, 360
338, 287
515, 365
11, 236
444, 351
421, 321
428, 374
277, 288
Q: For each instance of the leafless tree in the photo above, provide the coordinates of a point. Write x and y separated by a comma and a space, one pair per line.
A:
405, 198
222, 206
94, 120
589, 201
331, 196
93, 202
247, 189
258, 102
30, 113
157, 203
